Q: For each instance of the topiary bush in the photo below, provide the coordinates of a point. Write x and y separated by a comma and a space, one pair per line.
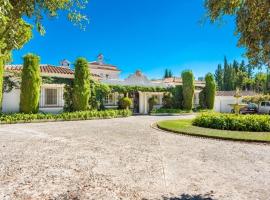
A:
188, 89
30, 85
210, 91
81, 88
125, 103
254, 123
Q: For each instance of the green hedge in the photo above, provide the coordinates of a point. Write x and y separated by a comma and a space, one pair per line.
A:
169, 110
66, 116
255, 123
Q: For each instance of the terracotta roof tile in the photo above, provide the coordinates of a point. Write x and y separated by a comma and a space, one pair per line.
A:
50, 69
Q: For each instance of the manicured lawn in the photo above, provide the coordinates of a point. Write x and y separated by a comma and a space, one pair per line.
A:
186, 127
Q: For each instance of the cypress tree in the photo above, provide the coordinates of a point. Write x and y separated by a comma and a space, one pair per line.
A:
30, 86
226, 78
188, 89
210, 91
81, 92
166, 74
219, 77
1, 81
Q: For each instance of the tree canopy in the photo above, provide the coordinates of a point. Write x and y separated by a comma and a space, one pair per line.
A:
252, 19
15, 31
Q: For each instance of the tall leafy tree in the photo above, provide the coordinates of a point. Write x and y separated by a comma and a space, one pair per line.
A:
219, 77
188, 89
260, 82
30, 85
81, 91
227, 75
252, 18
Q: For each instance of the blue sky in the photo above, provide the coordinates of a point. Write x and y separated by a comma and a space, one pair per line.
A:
149, 35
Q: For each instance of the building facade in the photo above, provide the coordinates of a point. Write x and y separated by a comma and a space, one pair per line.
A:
52, 94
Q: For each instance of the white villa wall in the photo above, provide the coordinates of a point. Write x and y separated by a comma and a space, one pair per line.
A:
11, 101
222, 103
103, 72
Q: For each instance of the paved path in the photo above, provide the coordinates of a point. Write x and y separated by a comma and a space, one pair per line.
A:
126, 159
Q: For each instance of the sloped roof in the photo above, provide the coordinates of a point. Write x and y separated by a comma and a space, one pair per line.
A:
44, 68
136, 79
48, 69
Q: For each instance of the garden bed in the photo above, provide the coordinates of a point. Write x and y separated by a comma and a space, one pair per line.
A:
66, 116
171, 112
186, 127
233, 122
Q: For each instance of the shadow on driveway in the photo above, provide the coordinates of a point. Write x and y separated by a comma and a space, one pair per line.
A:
208, 196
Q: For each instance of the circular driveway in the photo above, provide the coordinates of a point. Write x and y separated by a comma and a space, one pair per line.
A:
127, 159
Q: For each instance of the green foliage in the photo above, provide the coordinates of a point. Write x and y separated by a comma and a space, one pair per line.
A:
210, 91
260, 82
123, 89
98, 92
256, 99
202, 99
168, 73
219, 77
169, 111
125, 103
30, 85
66, 116
81, 90
152, 101
188, 89
1, 81
167, 100
252, 20
185, 127
239, 75
256, 123
177, 97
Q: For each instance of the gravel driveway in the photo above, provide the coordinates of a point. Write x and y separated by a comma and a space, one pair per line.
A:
127, 159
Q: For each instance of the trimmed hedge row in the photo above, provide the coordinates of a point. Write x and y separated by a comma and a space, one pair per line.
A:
169, 110
254, 123
66, 116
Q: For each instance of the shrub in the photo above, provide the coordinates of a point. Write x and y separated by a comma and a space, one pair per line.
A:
168, 110
188, 89
1, 81
30, 85
255, 123
177, 96
152, 101
202, 99
167, 100
79, 115
81, 91
125, 103
210, 91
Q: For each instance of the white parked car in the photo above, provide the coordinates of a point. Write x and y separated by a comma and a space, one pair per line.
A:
264, 107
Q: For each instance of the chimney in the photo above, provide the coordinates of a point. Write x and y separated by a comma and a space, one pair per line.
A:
65, 64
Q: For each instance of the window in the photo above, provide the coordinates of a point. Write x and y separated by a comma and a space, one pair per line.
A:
109, 99
263, 104
50, 97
